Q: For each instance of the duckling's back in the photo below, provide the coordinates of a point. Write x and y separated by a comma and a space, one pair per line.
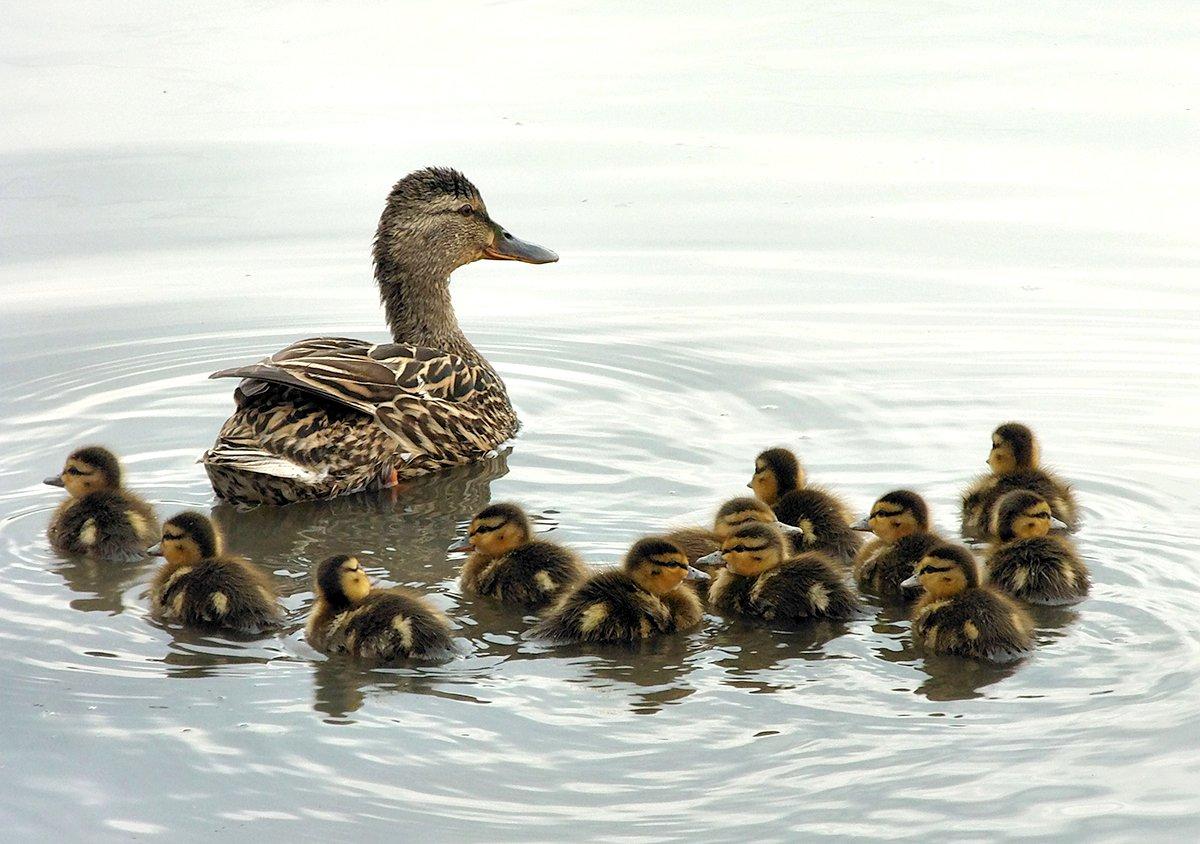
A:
821, 517
884, 571
981, 498
608, 607
1040, 570
808, 586
110, 525
392, 624
534, 575
981, 623
223, 592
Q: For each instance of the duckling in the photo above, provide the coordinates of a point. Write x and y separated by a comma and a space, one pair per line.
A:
822, 517
958, 615
101, 519
760, 580
200, 586
352, 617
1027, 562
900, 522
1015, 460
643, 598
509, 564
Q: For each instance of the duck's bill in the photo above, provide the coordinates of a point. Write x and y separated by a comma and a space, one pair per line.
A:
54, 480
465, 545
789, 530
861, 524
696, 574
1055, 523
713, 559
911, 583
154, 550
505, 247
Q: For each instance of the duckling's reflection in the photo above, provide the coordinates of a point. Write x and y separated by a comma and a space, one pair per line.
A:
753, 654
102, 584
341, 685
405, 529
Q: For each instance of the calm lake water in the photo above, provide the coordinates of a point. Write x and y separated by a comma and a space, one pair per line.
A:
867, 234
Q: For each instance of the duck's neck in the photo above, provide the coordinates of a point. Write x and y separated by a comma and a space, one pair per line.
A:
416, 301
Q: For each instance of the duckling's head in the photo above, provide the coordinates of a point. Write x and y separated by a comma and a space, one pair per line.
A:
498, 529
88, 470
1014, 447
188, 538
657, 565
1022, 514
945, 571
753, 549
341, 581
741, 511
435, 221
777, 471
896, 515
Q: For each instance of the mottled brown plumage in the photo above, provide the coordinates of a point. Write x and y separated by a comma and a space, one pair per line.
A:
101, 519
199, 586
900, 521
822, 518
378, 625
1029, 563
331, 416
628, 604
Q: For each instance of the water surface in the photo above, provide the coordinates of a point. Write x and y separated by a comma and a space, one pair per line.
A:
867, 234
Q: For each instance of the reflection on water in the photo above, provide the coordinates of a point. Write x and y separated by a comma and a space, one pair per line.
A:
973, 220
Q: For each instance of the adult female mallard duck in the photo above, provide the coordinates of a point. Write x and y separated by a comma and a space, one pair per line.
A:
762, 580
1015, 461
200, 586
900, 522
961, 616
101, 519
822, 518
508, 563
380, 625
331, 416
646, 597
1026, 561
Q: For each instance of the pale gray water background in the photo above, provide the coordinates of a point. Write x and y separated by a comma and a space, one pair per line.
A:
868, 233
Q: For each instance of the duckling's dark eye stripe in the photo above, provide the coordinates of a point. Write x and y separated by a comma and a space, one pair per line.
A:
670, 564
487, 528
1037, 515
742, 521
744, 549
174, 535
885, 513
929, 569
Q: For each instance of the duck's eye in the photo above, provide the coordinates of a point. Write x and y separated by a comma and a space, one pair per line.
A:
466, 210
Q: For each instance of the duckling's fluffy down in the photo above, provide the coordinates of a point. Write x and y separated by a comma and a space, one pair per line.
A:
611, 607
223, 592
1040, 570
807, 587
979, 622
105, 525
982, 495
881, 568
534, 575
390, 624
822, 518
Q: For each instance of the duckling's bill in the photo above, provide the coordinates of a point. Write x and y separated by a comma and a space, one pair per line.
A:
694, 573
713, 559
55, 480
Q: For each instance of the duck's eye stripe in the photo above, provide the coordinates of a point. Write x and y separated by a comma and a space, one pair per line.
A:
885, 513
929, 569
1039, 515
486, 529
173, 536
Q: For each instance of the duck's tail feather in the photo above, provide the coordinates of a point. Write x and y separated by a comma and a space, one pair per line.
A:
247, 458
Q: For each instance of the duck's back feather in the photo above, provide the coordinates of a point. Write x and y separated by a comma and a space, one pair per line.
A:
533, 575
607, 607
1041, 570
979, 623
390, 624
112, 525
223, 592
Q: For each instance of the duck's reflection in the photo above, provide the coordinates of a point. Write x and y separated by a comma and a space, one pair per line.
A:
100, 584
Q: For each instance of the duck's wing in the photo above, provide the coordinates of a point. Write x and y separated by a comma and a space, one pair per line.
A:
365, 376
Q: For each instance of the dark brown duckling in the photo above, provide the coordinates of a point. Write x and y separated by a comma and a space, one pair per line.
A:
644, 598
1028, 562
509, 564
101, 519
822, 518
958, 615
200, 586
1015, 461
760, 580
381, 625
900, 522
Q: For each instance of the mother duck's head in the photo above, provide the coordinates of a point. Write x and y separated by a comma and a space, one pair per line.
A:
435, 221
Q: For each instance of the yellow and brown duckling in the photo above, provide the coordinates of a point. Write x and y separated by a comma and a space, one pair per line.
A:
201, 586
509, 564
1015, 462
101, 519
958, 615
1027, 561
763, 580
698, 542
384, 625
822, 518
900, 522
643, 598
